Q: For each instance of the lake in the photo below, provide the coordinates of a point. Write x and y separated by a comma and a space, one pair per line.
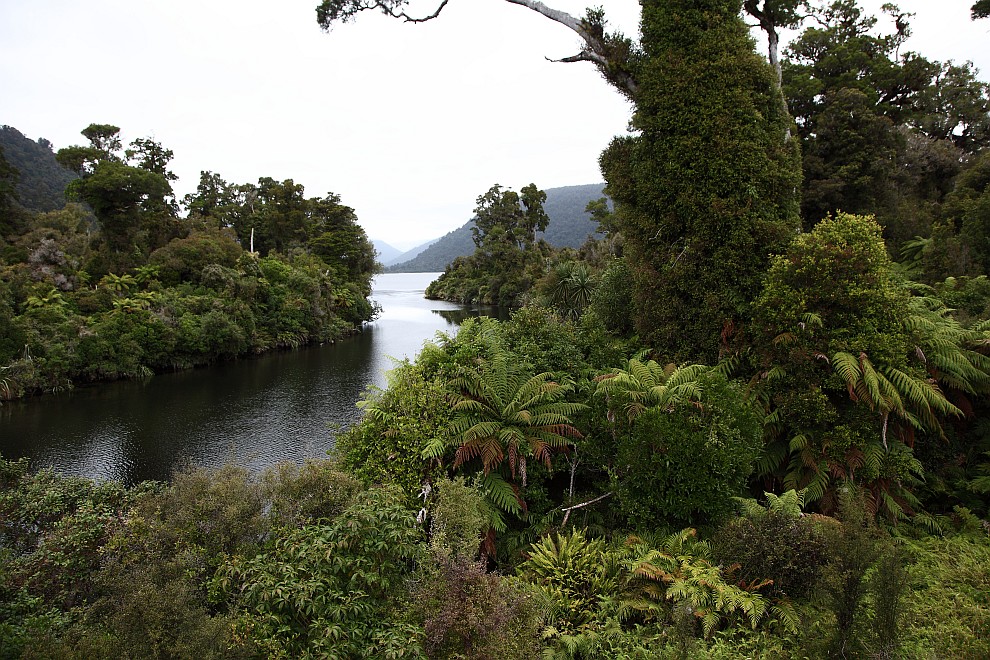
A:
254, 412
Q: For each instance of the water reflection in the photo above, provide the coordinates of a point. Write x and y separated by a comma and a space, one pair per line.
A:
457, 316
253, 412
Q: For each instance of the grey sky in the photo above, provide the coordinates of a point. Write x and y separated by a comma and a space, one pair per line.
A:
407, 123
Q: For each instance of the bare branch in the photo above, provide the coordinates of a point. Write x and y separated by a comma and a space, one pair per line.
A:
596, 49
553, 14
408, 19
609, 52
583, 56
589, 502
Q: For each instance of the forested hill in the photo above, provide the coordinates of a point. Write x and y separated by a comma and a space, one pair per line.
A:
569, 226
41, 181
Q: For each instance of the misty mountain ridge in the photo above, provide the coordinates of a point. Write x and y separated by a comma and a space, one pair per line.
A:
570, 226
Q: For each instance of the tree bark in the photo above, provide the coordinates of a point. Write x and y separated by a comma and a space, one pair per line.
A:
595, 49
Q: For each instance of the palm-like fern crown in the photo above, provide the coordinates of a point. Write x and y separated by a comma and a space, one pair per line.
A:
949, 363
504, 411
642, 385
947, 349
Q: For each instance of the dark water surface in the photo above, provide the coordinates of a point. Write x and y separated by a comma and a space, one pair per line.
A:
252, 412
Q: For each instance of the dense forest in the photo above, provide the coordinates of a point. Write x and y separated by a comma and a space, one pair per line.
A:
118, 283
747, 419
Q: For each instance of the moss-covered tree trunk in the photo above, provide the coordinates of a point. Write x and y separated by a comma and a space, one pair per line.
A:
707, 189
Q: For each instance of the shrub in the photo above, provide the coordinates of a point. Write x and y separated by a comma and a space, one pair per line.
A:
789, 550
303, 495
469, 613
685, 463
334, 590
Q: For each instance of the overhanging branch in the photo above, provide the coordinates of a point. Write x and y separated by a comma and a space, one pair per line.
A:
409, 19
596, 47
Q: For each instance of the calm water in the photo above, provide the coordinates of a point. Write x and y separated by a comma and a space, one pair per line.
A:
252, 412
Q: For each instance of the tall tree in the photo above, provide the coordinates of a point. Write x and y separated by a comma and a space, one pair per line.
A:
125, 199
507, 257
214, 199
883, 131
506, 220
708, 188
274, 212
337, 238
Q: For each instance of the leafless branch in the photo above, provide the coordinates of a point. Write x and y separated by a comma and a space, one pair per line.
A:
409, 19
589, 502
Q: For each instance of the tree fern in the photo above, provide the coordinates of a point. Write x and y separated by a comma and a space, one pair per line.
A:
643, 385
504, 415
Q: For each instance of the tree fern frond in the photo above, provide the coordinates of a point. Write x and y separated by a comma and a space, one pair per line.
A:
500, 492
771, 459
435, 448
847, 366
787, 616
799, 442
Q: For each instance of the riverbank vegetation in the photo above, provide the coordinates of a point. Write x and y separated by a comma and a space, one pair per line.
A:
748, 421
118, 285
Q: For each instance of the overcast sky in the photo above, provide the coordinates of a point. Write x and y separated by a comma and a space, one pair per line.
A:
409, 124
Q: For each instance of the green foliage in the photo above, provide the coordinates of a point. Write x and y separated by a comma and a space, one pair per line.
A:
888, 585
612, 300
469, 613
946, 610
546, 343
51, 533
706, 190
645, 385
386, 447
575, 574
685, 460
596, 592
507, 259
776, 543
302, 495
884, 130
852, 366
571, 287
184, 259
504, 415
457, 521
134, 291
569, 226
331, 590
967, 212
854, 549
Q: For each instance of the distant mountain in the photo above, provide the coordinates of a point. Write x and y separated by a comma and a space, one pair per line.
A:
435, 258
570, 226
42, 181
389, 255
413, 252
386, 253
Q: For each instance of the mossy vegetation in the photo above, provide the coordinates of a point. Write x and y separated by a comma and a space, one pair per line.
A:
721, 430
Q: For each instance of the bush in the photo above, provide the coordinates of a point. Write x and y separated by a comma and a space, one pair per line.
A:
335, 590
387, 446
183, 259
303, 495
789, 550
685, 464
469, 613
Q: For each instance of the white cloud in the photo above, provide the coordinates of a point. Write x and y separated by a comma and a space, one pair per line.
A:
408, 124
